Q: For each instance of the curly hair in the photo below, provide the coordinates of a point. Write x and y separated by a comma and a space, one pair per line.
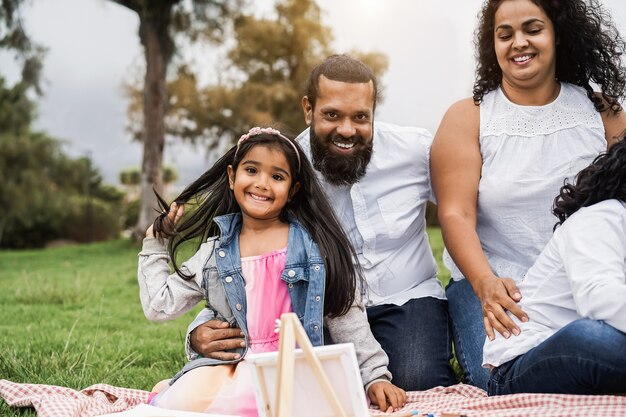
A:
589, 50
604, 179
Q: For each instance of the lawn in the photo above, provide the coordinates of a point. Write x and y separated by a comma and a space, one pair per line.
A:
71, 316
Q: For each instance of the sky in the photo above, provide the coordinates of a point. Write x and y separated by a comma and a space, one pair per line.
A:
93, 47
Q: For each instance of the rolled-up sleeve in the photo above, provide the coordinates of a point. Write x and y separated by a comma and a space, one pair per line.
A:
353, 327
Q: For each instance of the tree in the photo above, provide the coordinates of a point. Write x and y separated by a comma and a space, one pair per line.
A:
160, 23
262, 80
260, 83
270, 62
13, 37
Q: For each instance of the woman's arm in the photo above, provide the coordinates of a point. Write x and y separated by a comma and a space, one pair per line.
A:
456, 165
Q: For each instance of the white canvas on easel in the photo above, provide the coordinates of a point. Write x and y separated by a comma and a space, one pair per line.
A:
326, 381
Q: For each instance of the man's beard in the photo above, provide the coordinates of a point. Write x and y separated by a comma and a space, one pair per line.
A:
336, 168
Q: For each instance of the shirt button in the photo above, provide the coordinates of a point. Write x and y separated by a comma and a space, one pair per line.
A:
238, 307
291, 273
318, 298
228, 279
221, 254
316, 267
290, 285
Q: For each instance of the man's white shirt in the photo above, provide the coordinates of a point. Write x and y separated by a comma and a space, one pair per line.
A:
383, 215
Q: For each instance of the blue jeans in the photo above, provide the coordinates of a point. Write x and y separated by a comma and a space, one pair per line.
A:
468, 330
416, 337
585, 357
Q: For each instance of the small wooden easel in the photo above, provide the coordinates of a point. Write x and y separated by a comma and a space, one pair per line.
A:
291, 331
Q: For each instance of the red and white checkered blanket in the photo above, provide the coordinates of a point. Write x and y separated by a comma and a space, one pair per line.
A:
471, 401
53, 401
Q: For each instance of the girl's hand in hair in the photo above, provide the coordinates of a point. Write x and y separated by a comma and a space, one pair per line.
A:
386, 396
173, 216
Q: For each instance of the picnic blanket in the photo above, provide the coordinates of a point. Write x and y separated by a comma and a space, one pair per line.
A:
53, 401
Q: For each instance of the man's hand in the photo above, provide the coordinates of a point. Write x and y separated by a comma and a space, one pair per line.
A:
386, 396
213, 338
496, 296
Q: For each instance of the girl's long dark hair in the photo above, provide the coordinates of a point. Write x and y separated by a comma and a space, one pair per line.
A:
590, 49
604, 179
210, 196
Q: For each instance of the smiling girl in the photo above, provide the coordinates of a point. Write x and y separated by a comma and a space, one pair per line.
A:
270, 244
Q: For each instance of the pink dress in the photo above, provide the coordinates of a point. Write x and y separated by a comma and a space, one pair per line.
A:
229, 389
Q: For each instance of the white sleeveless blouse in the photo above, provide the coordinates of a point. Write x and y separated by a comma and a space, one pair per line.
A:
527, 154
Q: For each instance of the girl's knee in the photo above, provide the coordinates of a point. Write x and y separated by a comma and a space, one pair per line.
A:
160, 386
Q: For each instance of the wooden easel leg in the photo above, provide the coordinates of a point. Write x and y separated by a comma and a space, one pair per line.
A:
286, 364
291, 331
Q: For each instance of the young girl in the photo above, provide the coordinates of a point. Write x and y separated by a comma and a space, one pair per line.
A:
271, 245
574, 295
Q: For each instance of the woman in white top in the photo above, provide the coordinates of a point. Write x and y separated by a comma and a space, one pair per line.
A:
574, 295
499, 157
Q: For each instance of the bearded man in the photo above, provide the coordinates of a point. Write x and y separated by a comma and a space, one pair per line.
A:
377, 179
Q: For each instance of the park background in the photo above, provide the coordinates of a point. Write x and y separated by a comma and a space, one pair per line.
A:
70, 315
94, 47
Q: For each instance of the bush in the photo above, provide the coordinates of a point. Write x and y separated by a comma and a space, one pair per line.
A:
91, 220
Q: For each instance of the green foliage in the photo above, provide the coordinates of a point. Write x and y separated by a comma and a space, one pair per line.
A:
271, 59
46, 195
131, 214
262, 81
13, 38
16, 110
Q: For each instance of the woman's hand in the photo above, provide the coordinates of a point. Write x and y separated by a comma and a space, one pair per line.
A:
497, 295
173, 216
386, 396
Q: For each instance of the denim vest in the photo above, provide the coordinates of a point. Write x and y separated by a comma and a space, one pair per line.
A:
224, 284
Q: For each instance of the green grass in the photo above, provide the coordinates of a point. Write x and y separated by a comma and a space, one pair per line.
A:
71, 316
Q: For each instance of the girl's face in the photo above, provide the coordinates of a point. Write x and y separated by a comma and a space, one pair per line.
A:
524, 43
262, 182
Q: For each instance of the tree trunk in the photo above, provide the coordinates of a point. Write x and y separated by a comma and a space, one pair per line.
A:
158, 48
3, 222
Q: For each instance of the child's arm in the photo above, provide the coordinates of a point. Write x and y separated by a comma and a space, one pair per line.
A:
165, 296
593, 248
353, 327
